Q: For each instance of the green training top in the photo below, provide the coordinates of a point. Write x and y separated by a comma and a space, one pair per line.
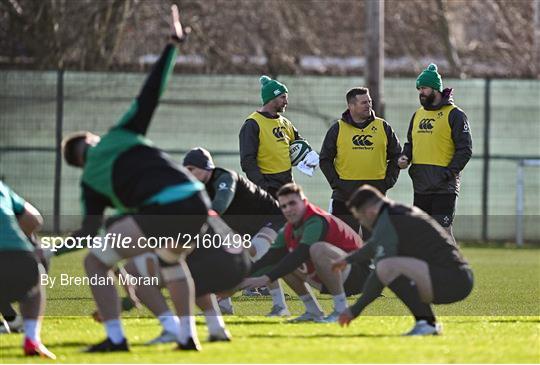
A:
12, 238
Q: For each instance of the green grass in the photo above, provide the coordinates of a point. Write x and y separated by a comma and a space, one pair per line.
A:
498, 323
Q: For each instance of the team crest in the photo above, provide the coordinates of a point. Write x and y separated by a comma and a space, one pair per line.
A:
222, 186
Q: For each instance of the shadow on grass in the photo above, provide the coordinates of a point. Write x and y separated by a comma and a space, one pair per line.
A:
326, 335
498, 320
78, 344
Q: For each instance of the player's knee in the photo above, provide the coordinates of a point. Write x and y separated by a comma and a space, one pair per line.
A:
145, 265
261, 243
168, 256
317, 250
108, 257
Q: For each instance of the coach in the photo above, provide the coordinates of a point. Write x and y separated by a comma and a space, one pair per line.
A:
439, 145
359, 148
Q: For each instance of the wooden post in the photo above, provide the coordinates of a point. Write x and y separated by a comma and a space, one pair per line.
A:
536, 38
374, 51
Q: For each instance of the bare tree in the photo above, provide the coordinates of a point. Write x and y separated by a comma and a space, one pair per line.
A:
445, 35
476, 37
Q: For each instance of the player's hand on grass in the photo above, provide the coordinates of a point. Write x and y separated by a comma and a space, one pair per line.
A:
179, 33
338, 266
345, 318
403, 162
255, 282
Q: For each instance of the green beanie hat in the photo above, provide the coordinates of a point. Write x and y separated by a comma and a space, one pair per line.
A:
271, 89
430, 78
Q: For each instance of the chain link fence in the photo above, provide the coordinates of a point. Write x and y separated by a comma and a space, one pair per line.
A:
37, 108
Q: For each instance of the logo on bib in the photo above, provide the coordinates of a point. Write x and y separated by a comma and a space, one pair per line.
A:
362, 141
426, 124
278, 132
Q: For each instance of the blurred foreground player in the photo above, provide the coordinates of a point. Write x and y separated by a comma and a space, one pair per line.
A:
246, 208
19, 268
414, 256
214, 270
156, 197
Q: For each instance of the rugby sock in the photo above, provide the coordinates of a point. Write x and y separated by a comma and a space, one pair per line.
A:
406, 290
31, 329
261, 242
170, 322
340, 302
214, 322
278, 298
311, 305
187, 329
114, 331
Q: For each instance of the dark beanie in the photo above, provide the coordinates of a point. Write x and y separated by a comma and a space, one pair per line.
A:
199, 157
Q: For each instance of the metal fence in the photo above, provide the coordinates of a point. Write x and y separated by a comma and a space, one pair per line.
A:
38, 108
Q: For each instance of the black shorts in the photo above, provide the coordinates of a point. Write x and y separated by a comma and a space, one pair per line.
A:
355, 281
180, 217
214, 270
450, 285
339, 209
19, 275
442, 207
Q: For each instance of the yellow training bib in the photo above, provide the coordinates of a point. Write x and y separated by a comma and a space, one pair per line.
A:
432, 137
275, 135
361, 153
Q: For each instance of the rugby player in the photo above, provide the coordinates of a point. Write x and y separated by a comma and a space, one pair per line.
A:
414, 256
304, 251
19, 268
214, 269
157, 198
246, 208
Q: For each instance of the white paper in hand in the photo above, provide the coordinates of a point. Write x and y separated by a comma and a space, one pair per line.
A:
305, 169
312, 159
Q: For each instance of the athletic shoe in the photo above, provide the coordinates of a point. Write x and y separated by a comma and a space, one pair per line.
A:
15, 326
253, 292
308, 317
222, 336
278, 311
422, 328
191, 344
164, 337
332, 317
36, 348
108, 346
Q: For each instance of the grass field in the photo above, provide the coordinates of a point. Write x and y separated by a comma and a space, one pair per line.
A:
498, 323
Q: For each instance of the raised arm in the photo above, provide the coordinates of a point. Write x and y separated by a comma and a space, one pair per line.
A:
138, 117
249, 146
